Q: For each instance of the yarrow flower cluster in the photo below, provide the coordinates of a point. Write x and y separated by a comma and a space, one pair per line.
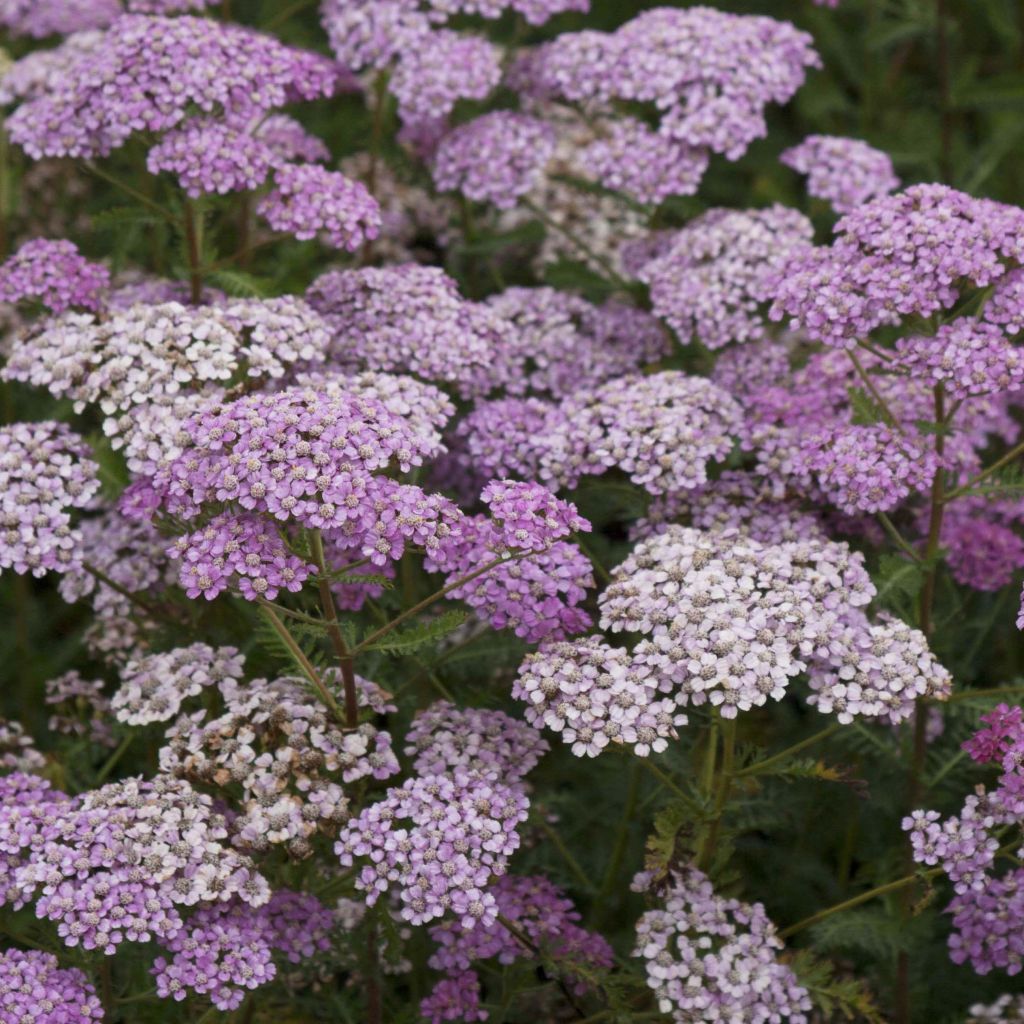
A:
284, 754
497, 158
54, 273
153, 688
987, 906
845, 172
909, 253
308, 201
36, 990
149, 73
45, 471
540, 912
715, 959
227, 949
713, 277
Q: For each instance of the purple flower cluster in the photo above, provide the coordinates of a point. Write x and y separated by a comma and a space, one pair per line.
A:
908, 253
54, 273
80, 708
539, 911
307, 200
283, 753
715, 275
45, 470
845, 172
438, 840
411, 319
154, 687
986, 908
715, 959
531, 518
445, 738
594, 695
150, 73
240, 551
867, 468
497, 158
35, 989
967, 357
118, 863
226, 949
212, 157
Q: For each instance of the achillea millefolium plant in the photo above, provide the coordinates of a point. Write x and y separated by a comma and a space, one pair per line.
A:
511, 511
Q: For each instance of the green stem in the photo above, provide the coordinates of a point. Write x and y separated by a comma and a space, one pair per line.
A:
723, 786
194, 245
542, 215
897, 538
133, 192
282, 16
856, 901
874, 392
664, 779
111, 763
785, 755
1012, 454
571, 862
995, 691
614, 868
330, 614
135, 599
300, 656
437, 596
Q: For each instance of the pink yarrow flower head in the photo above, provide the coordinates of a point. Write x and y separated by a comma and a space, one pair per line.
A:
1004, 731
151, 73
308, 200
53, 273
37, 989
530, 516
42, 18
845, 172
497, 158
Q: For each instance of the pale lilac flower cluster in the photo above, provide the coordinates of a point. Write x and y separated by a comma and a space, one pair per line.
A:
845, 172
981, 552
54, 273
45, 471
867, 468
289, 140
154, 687
661, 430
536, 580
1008, 1009
530, 517
35, 989
210, 157
42, 18
713, 281
968, 357
731, 621
300, 454
118, 863
445, 738
987, 907
594, 695
150, 73
283, 753
132, 554
629, 157
708, 73
308, 201
80, 708
17, 749
227, 949
715, 959
438, 840
909, 253
244, 552
442, 69
561, 342
411, 319
539, 911
497, 158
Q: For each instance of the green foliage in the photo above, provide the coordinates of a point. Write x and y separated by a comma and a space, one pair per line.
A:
411, 639
839, 998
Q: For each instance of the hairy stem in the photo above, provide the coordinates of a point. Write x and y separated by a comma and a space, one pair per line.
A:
330, 614
1014, 453
723, 786
300, 656
785, 755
